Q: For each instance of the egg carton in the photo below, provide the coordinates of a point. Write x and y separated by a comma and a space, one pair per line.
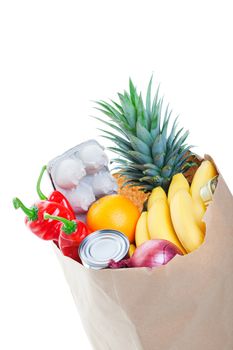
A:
82, 175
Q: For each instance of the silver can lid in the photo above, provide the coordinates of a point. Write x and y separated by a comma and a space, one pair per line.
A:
98, 248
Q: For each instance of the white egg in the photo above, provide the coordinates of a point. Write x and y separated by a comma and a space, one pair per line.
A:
69, 172
93, 158
103, 183
81, 197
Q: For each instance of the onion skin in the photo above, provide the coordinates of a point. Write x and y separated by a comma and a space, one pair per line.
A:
152, 253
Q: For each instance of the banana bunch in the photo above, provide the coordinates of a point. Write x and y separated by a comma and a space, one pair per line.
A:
177, 217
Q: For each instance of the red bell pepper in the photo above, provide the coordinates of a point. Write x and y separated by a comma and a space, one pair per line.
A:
71, 235
48, 230
55, 196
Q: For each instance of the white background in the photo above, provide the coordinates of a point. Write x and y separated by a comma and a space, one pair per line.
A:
58, 56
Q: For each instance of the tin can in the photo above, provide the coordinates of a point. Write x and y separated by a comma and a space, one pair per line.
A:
207, 191
101, 246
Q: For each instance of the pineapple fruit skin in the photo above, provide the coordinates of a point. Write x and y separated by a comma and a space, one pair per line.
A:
136, 196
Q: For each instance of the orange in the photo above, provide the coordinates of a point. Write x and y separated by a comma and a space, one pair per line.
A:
114, 212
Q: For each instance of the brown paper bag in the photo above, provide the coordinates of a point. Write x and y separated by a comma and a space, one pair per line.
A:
185, 305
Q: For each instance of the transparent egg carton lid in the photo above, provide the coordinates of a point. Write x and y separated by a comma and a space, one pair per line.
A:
82, 175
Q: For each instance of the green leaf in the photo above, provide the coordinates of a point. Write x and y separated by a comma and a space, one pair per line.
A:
141, 158
131, 183
148, 179
152, 166
127, 96
129, 165
143, 134
118, 106
159, 159
133, 93
166, 171
171, 161
156, 100
117, 138
170, 154
139, 166
118, 143
172, 134
132, 174
123, 153
188, 166
108, 114
148, 97
159, 145
158, 179
129, 110
113, 126
181, 140
112, 110
139, 145
174, 153
142, 117
151, 172
166, 122
121, 161
156, 118
176, 137
179, 156
178, 165
126, 127
144, 187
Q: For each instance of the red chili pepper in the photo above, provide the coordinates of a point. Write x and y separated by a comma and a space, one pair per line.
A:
55, 196
48, 230
71, 235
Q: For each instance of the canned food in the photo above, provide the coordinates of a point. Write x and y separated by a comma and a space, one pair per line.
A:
207, 191
101, 246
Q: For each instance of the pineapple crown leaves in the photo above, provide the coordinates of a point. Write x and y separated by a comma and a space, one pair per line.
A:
149, 155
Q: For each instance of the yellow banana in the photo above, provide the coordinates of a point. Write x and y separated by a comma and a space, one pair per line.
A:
184, 221
204, 173
178, 182
160, 224
157, 193
132, 249
199, 211
141, 233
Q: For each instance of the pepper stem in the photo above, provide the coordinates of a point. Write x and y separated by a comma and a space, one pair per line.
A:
40, 193
31, 213
69, 226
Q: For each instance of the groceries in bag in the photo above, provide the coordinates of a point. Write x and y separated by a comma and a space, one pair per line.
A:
154, 199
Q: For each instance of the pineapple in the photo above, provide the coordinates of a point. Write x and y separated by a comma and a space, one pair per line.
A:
149, 155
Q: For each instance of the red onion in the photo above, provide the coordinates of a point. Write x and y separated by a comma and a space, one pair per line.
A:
152, 253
